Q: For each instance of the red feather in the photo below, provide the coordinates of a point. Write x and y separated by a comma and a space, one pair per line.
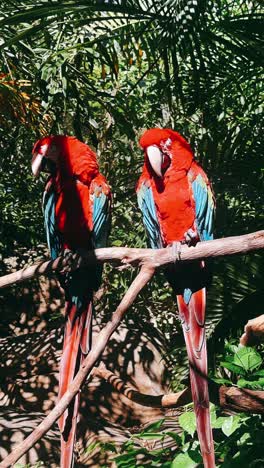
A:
175, 210
77, 176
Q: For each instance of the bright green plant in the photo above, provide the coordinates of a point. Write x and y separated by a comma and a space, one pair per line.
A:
244, 366
238, 440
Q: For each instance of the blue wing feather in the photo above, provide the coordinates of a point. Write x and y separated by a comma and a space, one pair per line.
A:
53, 236
101, 222
101, 217
204, 207
147, 206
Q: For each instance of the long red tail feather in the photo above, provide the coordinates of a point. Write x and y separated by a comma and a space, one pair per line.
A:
77, 335
193, 318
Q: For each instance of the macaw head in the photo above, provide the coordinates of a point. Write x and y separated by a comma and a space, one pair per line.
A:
45, 155
164, 149
66, 157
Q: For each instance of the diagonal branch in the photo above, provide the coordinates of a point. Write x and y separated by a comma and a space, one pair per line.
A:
153, 258
138, 284
228, 398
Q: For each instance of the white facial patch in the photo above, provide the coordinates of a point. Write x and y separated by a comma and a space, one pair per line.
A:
155, 158
36, 163
166, 146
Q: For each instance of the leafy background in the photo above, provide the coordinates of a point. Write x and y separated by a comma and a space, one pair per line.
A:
106, 70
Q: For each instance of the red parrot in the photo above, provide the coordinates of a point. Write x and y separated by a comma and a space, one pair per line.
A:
177, 203
76, 205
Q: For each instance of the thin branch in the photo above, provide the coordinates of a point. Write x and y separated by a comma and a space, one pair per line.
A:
138, 284
153, 258
169, 400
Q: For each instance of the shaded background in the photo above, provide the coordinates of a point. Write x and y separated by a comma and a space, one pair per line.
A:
104, 71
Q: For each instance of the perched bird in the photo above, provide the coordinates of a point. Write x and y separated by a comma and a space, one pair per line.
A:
177, 203
76, 205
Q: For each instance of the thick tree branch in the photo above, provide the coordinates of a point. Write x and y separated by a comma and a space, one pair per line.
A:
241, 400
138, 284
149, 260
254, 331
153, 258
228, 398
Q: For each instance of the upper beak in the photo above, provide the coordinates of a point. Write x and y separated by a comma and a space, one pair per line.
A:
155, 159
36, 163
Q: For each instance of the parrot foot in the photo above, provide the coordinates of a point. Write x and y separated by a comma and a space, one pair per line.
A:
71, 261
176, 251
191, 238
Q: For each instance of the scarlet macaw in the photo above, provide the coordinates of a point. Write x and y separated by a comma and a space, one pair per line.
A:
76, 205
177, 203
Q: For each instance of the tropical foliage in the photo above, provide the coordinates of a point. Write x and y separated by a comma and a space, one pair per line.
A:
104, 71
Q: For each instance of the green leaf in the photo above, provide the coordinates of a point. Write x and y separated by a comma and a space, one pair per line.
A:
218, 423
243, 383
222, 381
128, 460
153, 426
248, 358
188, 422
230, 425
117, 243
231, 348
175, 437
108, 446
232, 367
188, 459
92, 446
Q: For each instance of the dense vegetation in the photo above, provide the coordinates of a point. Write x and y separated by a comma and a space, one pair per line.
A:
106, 70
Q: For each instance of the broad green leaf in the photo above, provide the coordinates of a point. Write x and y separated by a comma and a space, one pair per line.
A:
212, 413
186, 460
230, 425
243, 383
218, 423
237, 369
187, 421
248, 358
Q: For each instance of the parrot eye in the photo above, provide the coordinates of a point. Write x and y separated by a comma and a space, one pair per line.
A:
43, 150
166, 162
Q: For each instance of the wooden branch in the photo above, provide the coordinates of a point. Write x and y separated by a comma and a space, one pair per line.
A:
229, 398
254, 331
169, 400
138, 284
153, 258
241, 399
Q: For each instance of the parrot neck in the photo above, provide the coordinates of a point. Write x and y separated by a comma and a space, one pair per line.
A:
182, 157
76, 161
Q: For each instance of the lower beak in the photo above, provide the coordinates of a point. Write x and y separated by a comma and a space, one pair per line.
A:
155, 159
36, 164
